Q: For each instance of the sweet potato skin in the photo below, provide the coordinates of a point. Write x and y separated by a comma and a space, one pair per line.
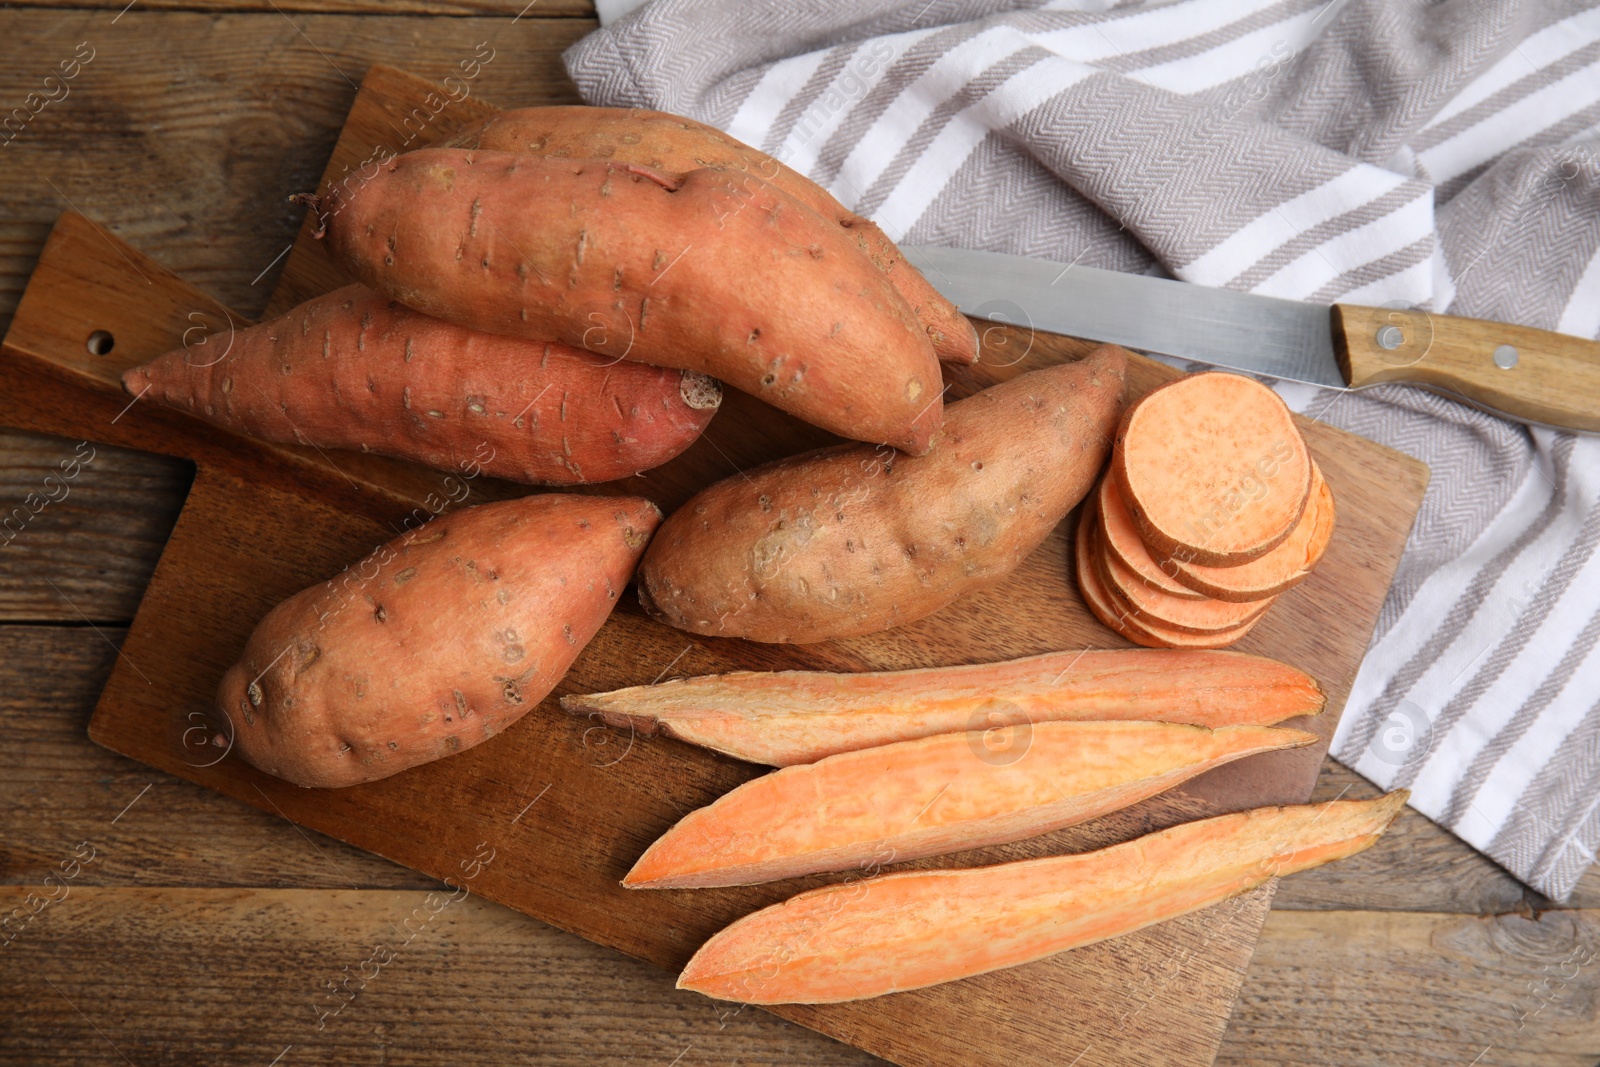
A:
934, 796
715, 272
434, 643
356, 370
920, 928
783, 718
850, 540
673, 144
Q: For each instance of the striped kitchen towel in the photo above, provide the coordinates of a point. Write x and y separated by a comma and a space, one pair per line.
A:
1445, 155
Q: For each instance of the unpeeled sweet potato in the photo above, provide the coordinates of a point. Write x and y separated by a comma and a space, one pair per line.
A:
920, 928
936, 795
672, 144
354, 369
709, 271
783, 718
434, 643
849, 540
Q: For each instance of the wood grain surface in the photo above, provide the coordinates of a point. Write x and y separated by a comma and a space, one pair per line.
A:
261, 523
184, 87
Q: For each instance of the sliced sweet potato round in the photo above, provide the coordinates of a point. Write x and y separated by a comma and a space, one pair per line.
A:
1212, 468
1203, 616
1116, 615
1119, 540
1279, 570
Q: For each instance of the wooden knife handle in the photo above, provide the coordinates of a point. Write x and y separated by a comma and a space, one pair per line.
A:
1527, 374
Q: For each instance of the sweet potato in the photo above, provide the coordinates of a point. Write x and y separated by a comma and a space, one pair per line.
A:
1212, 468
849, 540
936, 795
357, 370
1107, 606
673, 144
906, 931
1118, 537
1279, 570
1186, 614
435, 642
710, 271
782, 718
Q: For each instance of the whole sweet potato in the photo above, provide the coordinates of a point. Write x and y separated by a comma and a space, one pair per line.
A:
354, 369
711, 271
673, 144
849, 540
435, 642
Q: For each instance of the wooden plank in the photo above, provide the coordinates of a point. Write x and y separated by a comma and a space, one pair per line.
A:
237, 977
1416, 866
57, 786
261, 523
81, 526
472, 982
187, 133
509, 9
1359, 988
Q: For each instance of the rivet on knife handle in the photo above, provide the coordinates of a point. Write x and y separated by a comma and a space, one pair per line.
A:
1528, 374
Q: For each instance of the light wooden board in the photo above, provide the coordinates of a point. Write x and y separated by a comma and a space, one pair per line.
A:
261, 523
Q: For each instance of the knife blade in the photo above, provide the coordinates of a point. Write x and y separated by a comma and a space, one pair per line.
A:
1530, 375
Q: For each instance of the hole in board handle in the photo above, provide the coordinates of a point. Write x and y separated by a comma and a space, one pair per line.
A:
101, 343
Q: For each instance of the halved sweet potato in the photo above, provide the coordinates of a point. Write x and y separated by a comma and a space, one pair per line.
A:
1108, 606
936, 795
1212, 468
787, 717
906, 931
1279, 570
1119, 539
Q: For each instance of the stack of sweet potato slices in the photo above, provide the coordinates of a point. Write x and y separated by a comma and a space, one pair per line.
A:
1211, 508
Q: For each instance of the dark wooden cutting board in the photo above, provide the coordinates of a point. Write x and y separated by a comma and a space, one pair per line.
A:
565, 804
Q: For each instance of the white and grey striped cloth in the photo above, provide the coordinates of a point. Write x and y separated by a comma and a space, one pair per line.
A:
1442, 154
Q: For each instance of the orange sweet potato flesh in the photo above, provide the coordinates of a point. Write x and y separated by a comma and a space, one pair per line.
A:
356, 370
1212, 468
709, 271
905, 931
1184, 614
1279, 570
1119, 539
850, 540
435, 642
936, 795
782, 718
673, 144
1108, 606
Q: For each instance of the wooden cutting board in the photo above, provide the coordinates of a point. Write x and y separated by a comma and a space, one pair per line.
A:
565, 805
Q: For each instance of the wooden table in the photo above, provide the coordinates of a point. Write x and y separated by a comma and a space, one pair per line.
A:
205, 931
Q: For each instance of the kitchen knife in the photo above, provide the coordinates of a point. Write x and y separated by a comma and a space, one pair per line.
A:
1530, 375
